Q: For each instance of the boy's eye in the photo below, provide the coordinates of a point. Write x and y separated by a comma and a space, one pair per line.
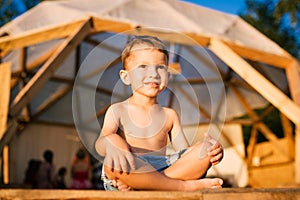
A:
142, 66
161, 67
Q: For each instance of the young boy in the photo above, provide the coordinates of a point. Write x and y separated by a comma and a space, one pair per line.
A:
135, 132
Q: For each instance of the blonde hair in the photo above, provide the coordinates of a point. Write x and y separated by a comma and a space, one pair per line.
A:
141, 43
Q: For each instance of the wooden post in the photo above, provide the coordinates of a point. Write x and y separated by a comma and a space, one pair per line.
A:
5, 71
293, 76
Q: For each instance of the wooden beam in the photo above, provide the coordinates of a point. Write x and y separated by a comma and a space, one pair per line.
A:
24, 76
297, 154
251, 146
275, 60
205, 194
5, 164
46, 71
13, 82
28, 38
110, 25
35, 63
12, 128
293, 76
5, 73
258, 123
52, 99
206, 60
246, 52
170, 36
288, 134
256, 80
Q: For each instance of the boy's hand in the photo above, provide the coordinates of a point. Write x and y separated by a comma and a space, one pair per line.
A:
216, 152
118, 156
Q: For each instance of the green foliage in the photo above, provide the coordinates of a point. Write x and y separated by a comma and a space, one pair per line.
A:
278, 21
290, 7
7, 11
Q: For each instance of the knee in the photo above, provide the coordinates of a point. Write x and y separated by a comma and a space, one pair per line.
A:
111, 174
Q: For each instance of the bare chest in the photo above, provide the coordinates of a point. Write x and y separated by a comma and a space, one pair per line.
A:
146, 129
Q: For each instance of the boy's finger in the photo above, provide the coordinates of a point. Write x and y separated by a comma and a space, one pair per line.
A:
108, 162
123, 163
116, 165
215, 146
215, 151
130, 160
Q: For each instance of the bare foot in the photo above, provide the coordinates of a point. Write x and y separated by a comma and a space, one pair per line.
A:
194, 185
120, 185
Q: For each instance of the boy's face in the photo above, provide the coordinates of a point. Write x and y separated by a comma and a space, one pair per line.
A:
146, 71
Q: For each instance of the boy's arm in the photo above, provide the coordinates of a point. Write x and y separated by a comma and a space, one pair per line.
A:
178, 139
112, 146
215, 151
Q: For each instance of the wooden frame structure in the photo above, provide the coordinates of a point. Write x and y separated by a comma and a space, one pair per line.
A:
231, 53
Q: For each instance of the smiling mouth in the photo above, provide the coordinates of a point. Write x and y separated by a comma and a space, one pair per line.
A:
152, 84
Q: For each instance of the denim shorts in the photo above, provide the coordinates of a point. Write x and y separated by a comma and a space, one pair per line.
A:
159, 163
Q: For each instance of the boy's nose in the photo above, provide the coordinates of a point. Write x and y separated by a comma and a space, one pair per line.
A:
152, 72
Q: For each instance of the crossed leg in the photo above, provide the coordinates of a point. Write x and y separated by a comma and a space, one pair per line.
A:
183, 175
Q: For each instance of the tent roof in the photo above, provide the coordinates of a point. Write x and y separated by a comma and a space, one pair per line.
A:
45, 26
167, 14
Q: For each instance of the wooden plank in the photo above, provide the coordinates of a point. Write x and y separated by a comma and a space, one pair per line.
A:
52, 99
35, 63
13, 82
5, 154
259, 124
256, 80
256, 55
251, 145
171, 36
246, 52
293, 76
253, 193
12, 128
46, 71
28, 38
114, 26
288, 134
5, 73
297, 154
207, 194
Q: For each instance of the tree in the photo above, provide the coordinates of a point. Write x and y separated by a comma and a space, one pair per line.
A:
13, 8
279, 21
289, 7
7, 11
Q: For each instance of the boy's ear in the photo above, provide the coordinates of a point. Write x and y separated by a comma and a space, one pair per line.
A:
124, 77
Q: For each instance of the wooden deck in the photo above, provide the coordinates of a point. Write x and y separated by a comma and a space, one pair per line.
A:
209, 194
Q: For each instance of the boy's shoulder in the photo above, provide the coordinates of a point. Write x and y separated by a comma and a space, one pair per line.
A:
170, 111
118, 105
